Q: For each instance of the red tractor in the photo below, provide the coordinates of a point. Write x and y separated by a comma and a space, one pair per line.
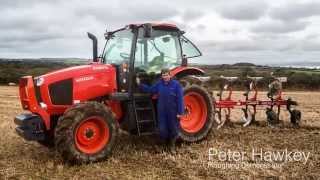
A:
79, 110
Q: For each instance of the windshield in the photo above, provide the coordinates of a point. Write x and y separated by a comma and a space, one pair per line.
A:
118, 47
189, 49
161, 50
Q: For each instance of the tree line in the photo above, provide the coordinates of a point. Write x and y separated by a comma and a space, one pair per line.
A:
298, 79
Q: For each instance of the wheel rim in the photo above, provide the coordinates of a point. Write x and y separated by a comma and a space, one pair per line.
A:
92, 135
196, 113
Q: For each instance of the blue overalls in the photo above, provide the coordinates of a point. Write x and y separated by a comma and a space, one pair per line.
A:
170, 104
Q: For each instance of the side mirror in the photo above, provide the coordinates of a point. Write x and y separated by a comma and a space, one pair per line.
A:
106, 34
94, 47
147, 30
95, 61
184, 61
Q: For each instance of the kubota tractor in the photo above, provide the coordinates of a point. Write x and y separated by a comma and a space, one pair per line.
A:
79, 110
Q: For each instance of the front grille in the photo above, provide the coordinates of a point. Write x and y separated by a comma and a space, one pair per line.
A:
61, 92
23, 83
37, 92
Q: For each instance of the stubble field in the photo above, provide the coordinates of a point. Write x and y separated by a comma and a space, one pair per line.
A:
142, 158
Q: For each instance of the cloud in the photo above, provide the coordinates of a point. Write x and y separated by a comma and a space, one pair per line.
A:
294, 11
230, 31
117, 13
231, 45
17, 3
37, 26
57, 28
262, 43
245, 10
280, 26
192, 14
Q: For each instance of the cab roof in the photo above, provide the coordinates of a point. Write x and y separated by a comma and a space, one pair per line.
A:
168, 26
162, 26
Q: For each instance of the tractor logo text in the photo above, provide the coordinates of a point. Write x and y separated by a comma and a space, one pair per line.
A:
88, 78
99, 68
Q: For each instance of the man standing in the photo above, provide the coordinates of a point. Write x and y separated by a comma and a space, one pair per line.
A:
170, 106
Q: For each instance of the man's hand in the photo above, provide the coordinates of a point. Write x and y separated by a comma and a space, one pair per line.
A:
138, 81
179, 116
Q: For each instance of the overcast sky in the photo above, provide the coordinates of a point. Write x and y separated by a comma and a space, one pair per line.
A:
263, 32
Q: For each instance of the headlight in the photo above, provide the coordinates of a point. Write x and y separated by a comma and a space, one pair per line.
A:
39, 81
43, 105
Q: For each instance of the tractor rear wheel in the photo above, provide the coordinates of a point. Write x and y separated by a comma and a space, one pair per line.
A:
86, 133
199, 110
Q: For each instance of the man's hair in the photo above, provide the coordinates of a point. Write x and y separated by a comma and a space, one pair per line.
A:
165, 71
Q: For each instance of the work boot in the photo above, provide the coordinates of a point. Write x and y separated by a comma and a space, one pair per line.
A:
160, 144
172, 145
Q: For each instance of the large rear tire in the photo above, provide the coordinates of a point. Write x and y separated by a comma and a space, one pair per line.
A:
86, 133
199, 108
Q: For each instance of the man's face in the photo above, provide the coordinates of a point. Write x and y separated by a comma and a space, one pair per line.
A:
166, 77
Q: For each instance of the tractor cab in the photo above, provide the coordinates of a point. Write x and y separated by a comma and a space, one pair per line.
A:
145, 50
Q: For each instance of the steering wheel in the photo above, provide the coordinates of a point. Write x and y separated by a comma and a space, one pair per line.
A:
169, 57
125, 55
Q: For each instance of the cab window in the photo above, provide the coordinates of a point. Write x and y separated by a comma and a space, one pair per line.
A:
189, 50
161, 50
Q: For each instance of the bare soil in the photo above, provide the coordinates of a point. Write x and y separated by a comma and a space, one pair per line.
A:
142, 158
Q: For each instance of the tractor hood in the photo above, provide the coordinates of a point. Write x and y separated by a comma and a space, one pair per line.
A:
75, 84
76, 71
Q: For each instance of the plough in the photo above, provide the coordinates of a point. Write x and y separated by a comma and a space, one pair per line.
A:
251, 103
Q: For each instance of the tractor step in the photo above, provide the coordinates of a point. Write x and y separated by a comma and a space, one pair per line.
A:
143, 108
146, 121
145, 116
147, 133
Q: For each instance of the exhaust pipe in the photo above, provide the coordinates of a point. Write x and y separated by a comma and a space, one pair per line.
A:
94, 47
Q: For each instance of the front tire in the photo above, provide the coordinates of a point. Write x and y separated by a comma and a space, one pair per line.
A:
86, 133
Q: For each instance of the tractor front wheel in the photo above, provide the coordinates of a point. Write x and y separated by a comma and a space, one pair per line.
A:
86, 133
